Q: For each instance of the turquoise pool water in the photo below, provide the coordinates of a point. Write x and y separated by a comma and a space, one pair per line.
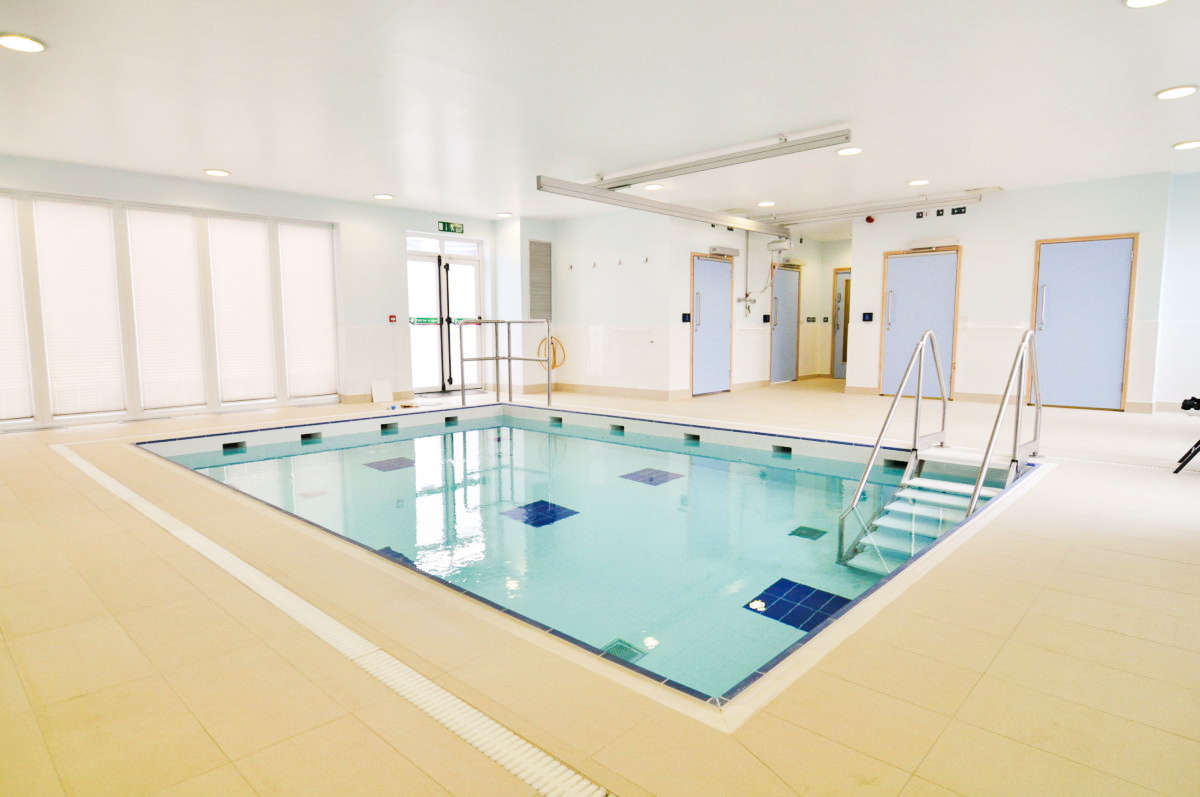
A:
660, 553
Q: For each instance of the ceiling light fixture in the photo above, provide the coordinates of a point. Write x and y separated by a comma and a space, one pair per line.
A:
653, 187
504, 214
384, 196
1144, 3
784, 146
766, 203
1188, 145
846, 151
216, 172
1175, 92
21, 43
915, 183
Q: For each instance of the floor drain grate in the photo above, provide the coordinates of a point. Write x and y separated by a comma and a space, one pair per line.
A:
625, 651
807, 532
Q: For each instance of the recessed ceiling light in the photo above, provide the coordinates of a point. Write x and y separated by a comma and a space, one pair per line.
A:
915, 183
21, 43
653, 187
504, 214
1188, 145
850, 151
766, 203
384, 196
216, 172
1176, 92
1144, 3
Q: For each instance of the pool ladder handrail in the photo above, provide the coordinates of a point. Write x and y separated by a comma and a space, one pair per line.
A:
496, 357
1024, 367
928, 341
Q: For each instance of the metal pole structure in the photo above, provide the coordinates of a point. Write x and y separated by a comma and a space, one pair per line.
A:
496, 354
1019, 395
462, 367
549, 359
917, 394
508, 326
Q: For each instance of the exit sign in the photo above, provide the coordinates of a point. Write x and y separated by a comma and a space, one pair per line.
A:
449, 226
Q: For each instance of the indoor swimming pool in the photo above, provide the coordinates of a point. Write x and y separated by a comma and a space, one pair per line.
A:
698, 557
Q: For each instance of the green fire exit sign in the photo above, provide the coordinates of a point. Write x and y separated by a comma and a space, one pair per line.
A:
449, 226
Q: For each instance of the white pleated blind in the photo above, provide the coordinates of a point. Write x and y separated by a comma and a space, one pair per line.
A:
166, 302
77, 273
241, 276
16, 395
309, 316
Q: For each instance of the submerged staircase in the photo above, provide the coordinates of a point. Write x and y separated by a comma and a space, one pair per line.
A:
941, 486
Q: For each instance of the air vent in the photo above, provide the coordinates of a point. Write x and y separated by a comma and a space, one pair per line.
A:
691, 439
554, 421
389, 428
781, 451
238, 447
308, 438
452, 420
617, 429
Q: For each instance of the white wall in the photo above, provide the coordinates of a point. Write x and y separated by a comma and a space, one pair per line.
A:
371, 248
1178, 374
998, 239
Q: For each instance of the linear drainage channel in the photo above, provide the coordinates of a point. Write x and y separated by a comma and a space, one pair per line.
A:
532, 765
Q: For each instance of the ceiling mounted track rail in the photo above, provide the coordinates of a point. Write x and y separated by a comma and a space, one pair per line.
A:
784, 147
580, 191
847, 212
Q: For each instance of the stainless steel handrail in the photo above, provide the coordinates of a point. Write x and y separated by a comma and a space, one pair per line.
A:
1024, 364
928, 340
547, 362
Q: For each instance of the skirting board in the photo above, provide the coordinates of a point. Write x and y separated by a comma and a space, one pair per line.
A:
365, 398
862, 391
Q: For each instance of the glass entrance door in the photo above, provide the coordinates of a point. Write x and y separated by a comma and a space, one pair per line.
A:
443, 291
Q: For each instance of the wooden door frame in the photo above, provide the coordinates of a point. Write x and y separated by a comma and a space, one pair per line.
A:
692, 331
1037, 271
954, 324
771, 332
833, 340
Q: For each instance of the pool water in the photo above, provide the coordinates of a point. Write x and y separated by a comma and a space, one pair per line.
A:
699, 565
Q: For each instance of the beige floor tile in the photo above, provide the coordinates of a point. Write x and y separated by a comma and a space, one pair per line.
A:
13, 699
78, 522
20, 533
668, 754
129, 739
1129, 750
1008, 541
203, 574
53, 602
437, 631
968, 611
1141, 623
357, 586
105, 550
954, 644
977, 585
972, 761
449, 760
343, 757
813, 765
1165, 573
871, 722
1151, 659
27, 769
138, 585
1151, 702
185, 632
223, 782
918, 679
13, 512
610, 780
554, 693
919, 787
31, 563
252, 698
340, 678
1138, 596
72, 660
979, 561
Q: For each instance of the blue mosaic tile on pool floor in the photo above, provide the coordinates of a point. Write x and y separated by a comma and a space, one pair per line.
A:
391, 464
539, 513
652, 476
797, 605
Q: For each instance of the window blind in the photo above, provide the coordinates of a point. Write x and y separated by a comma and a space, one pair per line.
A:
242, 305
77, 273
309, 313
166, 301
16, 393
540, 295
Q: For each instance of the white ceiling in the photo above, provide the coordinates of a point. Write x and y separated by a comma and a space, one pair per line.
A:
457, 105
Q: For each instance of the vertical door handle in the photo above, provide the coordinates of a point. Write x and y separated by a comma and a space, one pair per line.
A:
1042, 323
696, 320
774, 311
891, 309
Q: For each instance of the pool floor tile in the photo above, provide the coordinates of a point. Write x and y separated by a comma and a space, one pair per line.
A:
539, 513
652, 476
797, 605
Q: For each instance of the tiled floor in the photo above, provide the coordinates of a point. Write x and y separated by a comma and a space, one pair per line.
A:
1056, 652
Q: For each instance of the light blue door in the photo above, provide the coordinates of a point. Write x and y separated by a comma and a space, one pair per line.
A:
919, 294
841, 321
712, 317
1082, 319
785, 318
